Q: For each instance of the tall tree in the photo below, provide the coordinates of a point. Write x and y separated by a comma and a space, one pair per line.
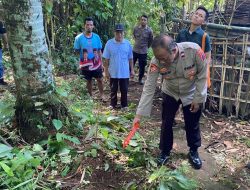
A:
36, 102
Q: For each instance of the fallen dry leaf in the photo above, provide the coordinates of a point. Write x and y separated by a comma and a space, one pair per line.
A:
228, 144
219, 123
40, 168
233, 150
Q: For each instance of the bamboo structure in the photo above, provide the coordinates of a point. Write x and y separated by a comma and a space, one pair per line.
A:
230, 70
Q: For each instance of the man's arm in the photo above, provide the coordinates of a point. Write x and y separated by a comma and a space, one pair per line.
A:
208, 49
151, 37
208, 57
106, 66
200, 93
106, 55
77, 47
131, 66
134, 33
201, 77
145, 104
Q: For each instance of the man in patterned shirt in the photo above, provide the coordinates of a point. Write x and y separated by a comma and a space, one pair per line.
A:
88, 44
143, 36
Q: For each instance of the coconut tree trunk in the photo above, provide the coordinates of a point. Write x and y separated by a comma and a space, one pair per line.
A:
36, 102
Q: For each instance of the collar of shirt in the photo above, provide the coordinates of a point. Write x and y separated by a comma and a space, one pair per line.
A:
197, 30
143, 28
122, 42
88, 37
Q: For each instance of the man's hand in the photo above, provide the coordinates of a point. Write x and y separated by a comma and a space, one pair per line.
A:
106, 76
132, 73
194, 107
137, 119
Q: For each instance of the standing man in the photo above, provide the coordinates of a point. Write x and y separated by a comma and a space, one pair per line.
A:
197, 35
3, 36
118, 66
143, 36
85, 44
183, 70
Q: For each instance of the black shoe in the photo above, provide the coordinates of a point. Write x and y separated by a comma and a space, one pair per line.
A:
195, 159
2, 82
141, 82
163, 158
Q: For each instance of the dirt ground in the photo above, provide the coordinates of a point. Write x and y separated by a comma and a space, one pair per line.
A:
223, 153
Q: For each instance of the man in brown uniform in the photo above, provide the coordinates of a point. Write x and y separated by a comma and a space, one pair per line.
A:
143, 36
183, 69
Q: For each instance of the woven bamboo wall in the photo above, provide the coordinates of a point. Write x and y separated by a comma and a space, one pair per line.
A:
230, 75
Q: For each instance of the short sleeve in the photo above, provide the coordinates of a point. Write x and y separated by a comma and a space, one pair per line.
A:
77, 44
208, 45
130, 54
106, 52
177, 39
99, 43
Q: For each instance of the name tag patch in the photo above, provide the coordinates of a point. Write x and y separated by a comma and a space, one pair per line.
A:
164, 71
189, 67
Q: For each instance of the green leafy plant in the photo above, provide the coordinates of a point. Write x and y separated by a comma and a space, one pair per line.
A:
18, 168
166, 179
7, 108
61, 136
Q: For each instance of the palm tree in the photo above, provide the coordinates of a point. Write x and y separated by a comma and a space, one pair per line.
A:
36, 102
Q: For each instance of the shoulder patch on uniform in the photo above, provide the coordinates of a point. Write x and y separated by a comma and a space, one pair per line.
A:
201, 54
153, 68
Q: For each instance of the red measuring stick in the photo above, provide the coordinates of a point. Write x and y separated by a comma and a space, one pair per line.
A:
131, 134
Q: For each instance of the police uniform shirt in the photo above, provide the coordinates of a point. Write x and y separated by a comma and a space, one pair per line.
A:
185, 79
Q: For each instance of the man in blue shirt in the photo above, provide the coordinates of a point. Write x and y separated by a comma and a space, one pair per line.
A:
118, 65
88, 45
3, 34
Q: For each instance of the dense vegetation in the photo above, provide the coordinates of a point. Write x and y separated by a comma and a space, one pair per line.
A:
90, 137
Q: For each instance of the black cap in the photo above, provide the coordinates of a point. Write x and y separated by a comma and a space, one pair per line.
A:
119, 27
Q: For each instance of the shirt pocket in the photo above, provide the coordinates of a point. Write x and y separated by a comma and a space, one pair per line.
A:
166, 74
190, 72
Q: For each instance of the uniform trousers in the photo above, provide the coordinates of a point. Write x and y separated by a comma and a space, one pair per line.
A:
169, 109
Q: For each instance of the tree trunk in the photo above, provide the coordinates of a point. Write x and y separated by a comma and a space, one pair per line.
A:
214, 10
36, 102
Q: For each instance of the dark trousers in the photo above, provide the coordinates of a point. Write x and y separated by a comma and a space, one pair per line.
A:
123, 84
142, 59
169, 108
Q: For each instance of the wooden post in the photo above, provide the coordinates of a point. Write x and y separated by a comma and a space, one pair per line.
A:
242, 66
223, 73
